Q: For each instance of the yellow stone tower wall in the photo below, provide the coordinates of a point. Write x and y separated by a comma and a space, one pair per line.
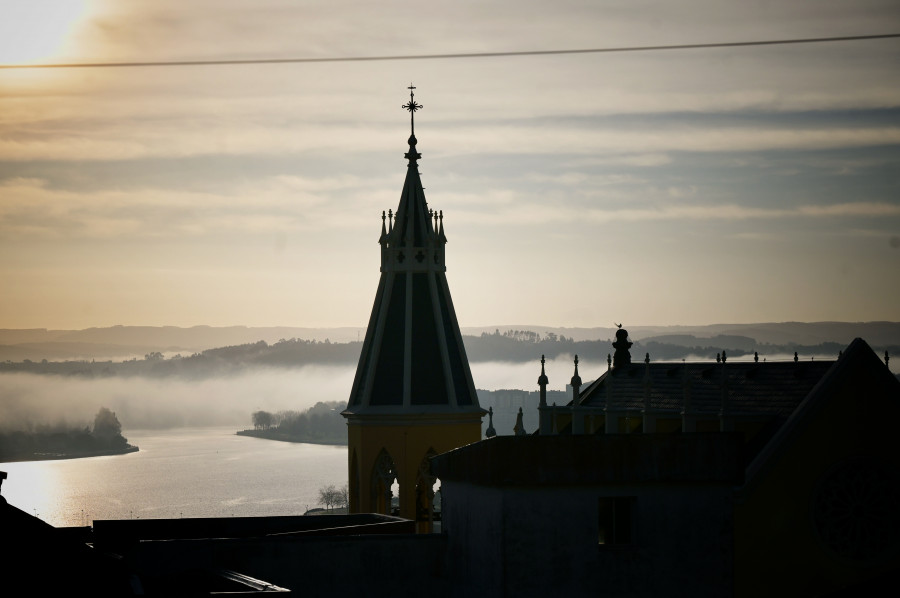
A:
408, 446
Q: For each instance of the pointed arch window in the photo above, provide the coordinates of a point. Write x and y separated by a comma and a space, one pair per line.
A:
383, 475
425, 494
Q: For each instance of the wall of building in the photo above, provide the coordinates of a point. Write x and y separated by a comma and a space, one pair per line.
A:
780, 549
474, 538
540, 541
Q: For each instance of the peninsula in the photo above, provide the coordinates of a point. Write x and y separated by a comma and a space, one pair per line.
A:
320, 424
61, 442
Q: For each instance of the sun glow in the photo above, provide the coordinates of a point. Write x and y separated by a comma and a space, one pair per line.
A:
36, 30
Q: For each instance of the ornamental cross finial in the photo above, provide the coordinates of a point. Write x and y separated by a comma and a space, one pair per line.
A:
412, 106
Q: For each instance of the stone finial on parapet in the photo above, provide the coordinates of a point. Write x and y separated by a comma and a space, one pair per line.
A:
545, 416
622, 345
577, 417
576, 383
519, 428
543, 381
490, 432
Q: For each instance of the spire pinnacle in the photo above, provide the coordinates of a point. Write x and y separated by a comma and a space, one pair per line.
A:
576, 379
412, 106
542, 379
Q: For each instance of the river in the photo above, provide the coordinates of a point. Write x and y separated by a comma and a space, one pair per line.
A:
183, 472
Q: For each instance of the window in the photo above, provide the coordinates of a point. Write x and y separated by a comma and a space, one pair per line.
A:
615, 520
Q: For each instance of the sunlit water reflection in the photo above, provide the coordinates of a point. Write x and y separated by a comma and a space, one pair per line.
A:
196, 472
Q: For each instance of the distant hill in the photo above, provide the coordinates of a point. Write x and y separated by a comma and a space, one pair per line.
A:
124, 342
482, 343
774, 333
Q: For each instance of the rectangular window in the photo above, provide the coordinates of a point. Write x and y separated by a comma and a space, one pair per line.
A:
615, 520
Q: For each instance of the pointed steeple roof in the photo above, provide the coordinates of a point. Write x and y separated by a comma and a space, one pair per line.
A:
413, 359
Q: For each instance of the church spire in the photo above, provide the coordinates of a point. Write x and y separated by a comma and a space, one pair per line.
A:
413, 394
413, 353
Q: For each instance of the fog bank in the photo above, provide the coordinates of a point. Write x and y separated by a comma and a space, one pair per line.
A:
151, 403
28, 400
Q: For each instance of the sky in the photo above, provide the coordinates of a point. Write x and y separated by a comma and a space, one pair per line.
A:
725, 185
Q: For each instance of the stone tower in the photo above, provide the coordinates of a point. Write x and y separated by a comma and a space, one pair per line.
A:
413, 395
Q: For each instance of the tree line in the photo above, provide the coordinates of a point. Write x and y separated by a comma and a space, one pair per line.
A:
321, 423
63, 440
511, 345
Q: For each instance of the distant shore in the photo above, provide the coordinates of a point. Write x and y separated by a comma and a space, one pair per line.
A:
66, 455
275, 435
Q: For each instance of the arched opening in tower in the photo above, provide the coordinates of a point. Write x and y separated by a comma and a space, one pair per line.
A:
426, 487
384, 478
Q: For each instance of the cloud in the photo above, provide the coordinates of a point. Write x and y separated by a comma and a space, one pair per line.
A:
737, 212
542, 214
685, 139
858, 209
217, 173
176, 138
31, 207
639, 160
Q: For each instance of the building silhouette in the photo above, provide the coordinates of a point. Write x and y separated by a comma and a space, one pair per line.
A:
688, 479
656, 479
413, 395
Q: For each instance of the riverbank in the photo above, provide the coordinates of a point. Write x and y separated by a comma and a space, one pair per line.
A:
42, 456
280, 436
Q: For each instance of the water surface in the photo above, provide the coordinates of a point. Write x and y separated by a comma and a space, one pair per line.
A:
186, 472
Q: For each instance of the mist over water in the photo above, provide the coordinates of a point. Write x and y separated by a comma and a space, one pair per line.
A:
157, 403
28, 400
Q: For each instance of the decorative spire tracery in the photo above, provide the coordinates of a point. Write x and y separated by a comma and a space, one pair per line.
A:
412, 106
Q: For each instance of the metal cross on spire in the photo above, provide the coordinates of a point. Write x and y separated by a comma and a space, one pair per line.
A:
412, 106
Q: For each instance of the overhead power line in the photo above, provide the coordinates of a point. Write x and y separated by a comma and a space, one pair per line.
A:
772, 42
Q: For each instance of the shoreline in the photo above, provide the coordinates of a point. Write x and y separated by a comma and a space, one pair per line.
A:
64, 456
272, 435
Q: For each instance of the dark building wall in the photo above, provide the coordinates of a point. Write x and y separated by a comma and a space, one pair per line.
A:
474, 538
540, 541
819, 512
